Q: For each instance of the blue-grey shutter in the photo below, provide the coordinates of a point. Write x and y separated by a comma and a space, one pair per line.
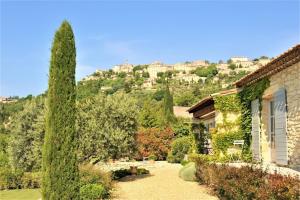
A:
280, 127
255, 131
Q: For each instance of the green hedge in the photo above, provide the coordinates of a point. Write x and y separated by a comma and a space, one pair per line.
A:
188, 172
232, 183
92, 192
179, 148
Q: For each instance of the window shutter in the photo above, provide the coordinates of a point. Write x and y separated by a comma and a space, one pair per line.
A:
280, 127
255, 131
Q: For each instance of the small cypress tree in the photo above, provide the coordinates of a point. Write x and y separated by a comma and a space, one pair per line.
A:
60, 170
168, 105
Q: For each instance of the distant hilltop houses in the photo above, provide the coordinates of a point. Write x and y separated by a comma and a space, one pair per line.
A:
184, 71
7, 99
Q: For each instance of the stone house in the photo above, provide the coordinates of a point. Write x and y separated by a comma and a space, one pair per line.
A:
213, 118
276, 116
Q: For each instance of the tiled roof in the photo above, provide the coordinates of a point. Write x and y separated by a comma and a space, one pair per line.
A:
278, 64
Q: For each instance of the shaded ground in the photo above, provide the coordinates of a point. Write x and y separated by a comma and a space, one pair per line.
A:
163, 184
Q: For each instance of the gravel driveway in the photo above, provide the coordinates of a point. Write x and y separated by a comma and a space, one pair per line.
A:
163, 183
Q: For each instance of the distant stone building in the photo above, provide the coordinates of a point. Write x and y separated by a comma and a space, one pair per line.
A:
157, 67
123, 68
191, 78
7, 100
239, 59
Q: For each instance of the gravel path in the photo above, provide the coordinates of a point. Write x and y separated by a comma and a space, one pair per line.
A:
163, 183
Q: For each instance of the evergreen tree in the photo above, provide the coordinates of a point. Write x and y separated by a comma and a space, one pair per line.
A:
168, 105
60, 170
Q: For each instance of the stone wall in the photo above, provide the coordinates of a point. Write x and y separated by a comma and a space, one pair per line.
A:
290, 80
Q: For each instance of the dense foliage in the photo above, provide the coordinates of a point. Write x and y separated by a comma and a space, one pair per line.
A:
27, 135
179, 148
208, 71
245, 182
60, 146
248, 94
106, 127
154, 141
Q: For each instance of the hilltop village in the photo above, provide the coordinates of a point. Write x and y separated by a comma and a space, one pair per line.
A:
147, 76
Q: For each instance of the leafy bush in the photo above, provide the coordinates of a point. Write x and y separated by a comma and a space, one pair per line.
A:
154, 141
10, 179
245, 182
90, 175
188, 172
184, 162
152, 157
171, 158
31, 180
208, 71
142, 171
92, 192
180, 147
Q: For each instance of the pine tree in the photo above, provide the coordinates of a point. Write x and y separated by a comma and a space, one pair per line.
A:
60, 170
168, 105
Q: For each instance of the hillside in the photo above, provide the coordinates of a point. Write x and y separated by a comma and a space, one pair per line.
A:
189, 81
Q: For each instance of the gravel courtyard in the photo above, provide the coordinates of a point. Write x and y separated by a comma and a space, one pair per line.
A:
163, 183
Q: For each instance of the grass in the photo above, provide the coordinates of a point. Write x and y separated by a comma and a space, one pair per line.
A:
24, 194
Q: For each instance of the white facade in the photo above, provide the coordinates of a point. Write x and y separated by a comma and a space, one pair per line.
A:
239, 59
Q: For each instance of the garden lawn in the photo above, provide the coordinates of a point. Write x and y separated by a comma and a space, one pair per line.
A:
23, 194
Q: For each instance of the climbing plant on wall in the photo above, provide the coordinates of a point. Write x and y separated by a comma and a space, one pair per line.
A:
248, 94
228, 103
227, 131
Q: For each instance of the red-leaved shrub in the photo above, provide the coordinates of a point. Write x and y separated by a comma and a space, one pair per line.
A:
154, 141
245, 182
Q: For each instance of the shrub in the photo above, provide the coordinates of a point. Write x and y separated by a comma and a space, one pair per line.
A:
92, 192
31, 180
180, 147
154, 141
171, 158
152, 157
10, 179
90, 175
120, 173
184, 162
188, 172
245, 182
142, 171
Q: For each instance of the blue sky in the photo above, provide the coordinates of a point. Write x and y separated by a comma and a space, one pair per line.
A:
109, 33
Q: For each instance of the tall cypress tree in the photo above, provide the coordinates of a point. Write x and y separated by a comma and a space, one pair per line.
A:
168, 105
60, 170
